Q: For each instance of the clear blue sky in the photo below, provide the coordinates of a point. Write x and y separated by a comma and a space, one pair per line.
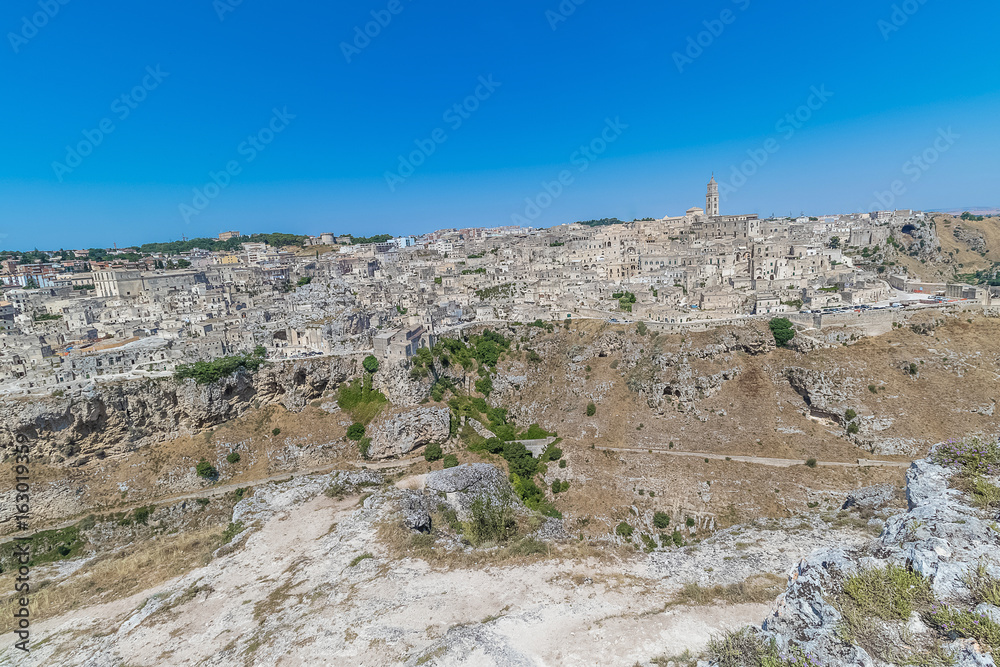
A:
892, 91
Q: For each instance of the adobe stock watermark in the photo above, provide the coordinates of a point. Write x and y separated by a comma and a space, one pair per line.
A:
121, 107
899, 17
363, 36
915, 168
697, 44
562, 13
788, 125
248, 150
223, 7
455, 116
30, 25
581, 158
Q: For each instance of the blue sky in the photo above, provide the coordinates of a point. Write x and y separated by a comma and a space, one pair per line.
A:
895, 78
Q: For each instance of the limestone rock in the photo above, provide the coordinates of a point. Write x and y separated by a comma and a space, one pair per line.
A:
462, 484
400, 432
871, 497
941, 537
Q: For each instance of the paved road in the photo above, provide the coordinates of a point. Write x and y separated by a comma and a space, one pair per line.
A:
760, 460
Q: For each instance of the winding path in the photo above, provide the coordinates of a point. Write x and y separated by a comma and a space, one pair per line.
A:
760, 460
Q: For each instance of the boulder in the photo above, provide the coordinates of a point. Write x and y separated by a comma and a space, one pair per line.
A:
871, 497
397, 433
416, 512
462, 484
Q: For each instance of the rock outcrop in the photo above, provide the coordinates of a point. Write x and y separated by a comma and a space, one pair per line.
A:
942, 538
112, 420
824, 393
462, 484
400, 432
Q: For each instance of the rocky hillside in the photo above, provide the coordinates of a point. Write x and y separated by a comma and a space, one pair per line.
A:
926, 592
113, 420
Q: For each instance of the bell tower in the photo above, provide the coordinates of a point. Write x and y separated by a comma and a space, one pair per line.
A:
712, 199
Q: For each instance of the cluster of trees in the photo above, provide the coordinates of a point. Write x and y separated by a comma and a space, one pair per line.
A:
603, 222
378, 238
782, 329
625, 300
205, 372
485, 349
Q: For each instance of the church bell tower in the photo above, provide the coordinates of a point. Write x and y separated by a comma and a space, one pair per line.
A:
712, 199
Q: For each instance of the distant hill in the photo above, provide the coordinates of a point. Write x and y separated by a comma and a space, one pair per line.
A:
975, 210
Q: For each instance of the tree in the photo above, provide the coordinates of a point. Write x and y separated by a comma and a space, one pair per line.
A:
591, 409
206, 470
370, 364
783, 330
356, 431
850, 414
484, 386
661, 520
433, 452
493, 518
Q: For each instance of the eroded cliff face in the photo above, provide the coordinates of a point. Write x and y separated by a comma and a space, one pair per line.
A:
113, 420
944, 539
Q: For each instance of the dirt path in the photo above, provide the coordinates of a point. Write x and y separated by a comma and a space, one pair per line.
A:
760, 460
212, 492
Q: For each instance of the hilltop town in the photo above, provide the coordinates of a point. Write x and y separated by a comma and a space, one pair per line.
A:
70, 319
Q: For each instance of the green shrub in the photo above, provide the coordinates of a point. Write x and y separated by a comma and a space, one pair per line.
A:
433, 452
233, 457
450, 461
677, 538
492, 519
141, 514
852, 428
624, 530
661, 520
747, 648
206, 470
591, 409
562, 463
360, 400
364, 445
850, 415
783, 330
484, 386
890, 593
370, 364
276, 431
231, 531
965, 623
983, 586
356, 431
551, 453
811, 463
205, 372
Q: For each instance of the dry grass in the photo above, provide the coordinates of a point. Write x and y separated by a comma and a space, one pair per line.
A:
117, 575
757, 589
